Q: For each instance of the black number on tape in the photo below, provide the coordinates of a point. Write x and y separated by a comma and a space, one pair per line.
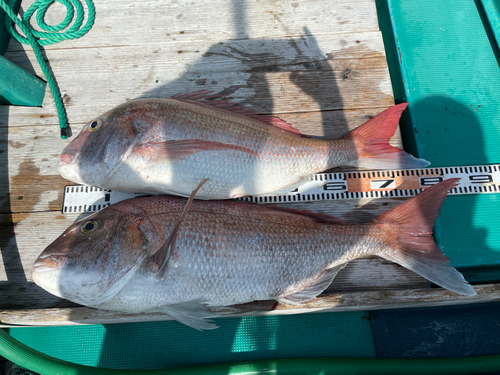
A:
481, 179
429, 181
335, 186
383, 186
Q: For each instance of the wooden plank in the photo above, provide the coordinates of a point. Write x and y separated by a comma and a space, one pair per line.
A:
270, 77
27, 236
129, 22
374, 300
30, 169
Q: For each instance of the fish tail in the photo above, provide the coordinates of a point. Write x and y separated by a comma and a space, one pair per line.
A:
408, 233
372, 143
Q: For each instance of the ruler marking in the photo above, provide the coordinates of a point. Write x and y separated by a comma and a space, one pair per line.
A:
480, 179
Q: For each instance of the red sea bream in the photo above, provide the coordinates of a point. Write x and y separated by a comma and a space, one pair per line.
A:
167, 146
183, 257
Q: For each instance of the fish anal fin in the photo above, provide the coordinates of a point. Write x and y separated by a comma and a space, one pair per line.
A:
182, 149
311, 291
192, 313
206, 97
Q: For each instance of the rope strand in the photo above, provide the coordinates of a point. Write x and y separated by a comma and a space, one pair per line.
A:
50, 35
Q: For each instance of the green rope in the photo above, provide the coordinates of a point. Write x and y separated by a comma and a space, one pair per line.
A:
50, 35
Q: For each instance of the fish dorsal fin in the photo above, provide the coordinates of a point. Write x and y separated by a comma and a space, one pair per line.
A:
315, 215
161, 257
215, 101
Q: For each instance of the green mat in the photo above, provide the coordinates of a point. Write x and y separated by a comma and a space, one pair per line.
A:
444, 61
171, 344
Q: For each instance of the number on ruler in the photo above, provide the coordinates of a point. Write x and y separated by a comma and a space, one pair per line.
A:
335, 186
481, 179
429, 181
383, 184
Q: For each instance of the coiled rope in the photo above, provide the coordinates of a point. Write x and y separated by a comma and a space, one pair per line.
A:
49, 35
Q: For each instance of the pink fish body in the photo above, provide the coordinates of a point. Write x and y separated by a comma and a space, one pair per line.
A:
157, 254
167, 146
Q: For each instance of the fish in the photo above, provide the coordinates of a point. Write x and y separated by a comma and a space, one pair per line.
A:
186, 258
169, 145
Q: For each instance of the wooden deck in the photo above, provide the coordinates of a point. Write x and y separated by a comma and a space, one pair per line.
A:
320, 65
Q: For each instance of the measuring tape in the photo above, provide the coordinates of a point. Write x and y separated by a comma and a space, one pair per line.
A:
480, 179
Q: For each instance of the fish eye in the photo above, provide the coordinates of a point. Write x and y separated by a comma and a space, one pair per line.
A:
94, 125
89, 226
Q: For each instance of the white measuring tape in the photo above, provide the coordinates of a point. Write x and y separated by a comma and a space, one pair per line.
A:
480, 179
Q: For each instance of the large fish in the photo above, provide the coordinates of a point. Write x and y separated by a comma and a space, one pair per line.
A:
167, 146
157, 254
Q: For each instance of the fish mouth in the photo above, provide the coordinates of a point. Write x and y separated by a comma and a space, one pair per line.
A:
68, 157
49, 263
68, 167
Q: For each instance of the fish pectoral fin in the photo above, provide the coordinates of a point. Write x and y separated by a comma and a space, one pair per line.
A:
192, 313
161, 257
314, 289
183, 148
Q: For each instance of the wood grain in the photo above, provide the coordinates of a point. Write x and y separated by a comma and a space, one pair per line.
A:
269, 76
373, 300
156, 22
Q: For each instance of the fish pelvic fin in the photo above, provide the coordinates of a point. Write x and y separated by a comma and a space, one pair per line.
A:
372, 143
311, 290
192, 313
408, 230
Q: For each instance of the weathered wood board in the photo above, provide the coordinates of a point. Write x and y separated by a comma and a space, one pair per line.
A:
270, 79
371, 300
319, 65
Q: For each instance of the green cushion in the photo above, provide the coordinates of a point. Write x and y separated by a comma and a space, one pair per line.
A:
444, 61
